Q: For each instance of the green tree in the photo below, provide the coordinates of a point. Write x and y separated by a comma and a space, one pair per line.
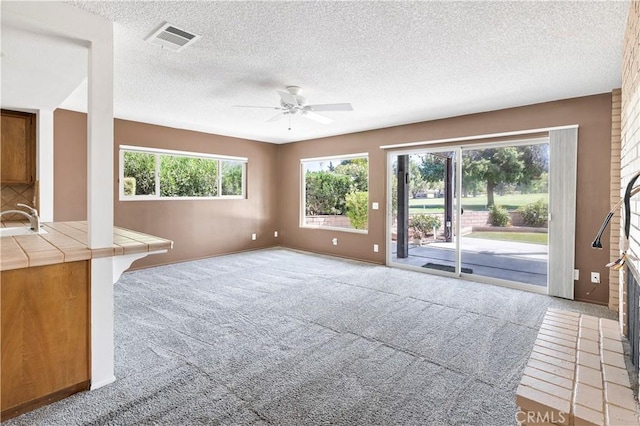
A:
142, 167
326, 192
231, 178
493, 166
357, 204
536, 158
188, 176
535, 175
358, 170
432, 168
417, 183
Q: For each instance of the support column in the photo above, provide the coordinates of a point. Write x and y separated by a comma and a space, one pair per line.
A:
44, 172
448, 200
100, 208
403, 207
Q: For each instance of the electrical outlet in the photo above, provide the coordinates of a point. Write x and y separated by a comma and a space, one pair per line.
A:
576, 274
595, 277
375, 248
334, 241
275, 234
254, 237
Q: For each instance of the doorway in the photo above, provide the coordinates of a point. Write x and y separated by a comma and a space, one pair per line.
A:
476, 211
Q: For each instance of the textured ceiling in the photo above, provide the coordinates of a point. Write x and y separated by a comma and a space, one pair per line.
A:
26, 83
396, 62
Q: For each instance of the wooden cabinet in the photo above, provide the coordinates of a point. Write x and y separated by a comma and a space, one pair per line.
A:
45, 335
18, 147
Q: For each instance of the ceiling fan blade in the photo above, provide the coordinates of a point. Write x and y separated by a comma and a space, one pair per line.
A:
254, 106
331, 107
317, 117
277, 117
287, 98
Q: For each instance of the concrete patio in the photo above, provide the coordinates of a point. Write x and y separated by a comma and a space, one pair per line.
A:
506, 260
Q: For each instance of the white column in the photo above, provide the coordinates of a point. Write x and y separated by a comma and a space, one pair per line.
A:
102, 343
45, 164
100, 145
100, 209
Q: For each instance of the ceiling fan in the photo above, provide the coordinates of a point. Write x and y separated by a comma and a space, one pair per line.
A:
291, 103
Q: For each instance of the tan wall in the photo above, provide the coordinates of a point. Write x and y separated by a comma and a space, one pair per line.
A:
630, 135
204, 228
199, 228
592, 114
69, 166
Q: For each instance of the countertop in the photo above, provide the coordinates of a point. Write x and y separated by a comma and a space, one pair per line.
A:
67, 242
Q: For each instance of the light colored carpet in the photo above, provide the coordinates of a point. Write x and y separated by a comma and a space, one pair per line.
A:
281, 337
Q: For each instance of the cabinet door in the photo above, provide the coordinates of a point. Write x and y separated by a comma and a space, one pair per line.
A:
17, 147
45, 334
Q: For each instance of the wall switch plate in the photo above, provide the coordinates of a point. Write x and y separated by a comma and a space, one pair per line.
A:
595, 277
375, 206
576, 274
275, 234
334, 241
254, 237
375, 248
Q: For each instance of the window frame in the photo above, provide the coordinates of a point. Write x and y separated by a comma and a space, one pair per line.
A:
157, 152
303, 192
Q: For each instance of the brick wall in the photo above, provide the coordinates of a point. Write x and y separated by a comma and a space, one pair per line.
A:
614, 243
630, 134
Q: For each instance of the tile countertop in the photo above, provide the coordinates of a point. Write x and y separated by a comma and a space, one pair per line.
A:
67, 242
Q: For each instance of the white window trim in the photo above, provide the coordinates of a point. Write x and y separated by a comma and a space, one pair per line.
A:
303, 192
157, 152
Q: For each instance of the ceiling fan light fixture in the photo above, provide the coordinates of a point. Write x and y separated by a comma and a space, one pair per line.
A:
291, 102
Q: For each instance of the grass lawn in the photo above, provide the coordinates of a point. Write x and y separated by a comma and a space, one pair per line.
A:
523, 237
509, 201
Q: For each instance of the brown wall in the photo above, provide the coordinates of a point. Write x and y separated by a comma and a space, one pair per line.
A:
592, 114
209, 227
69, 166
199, 228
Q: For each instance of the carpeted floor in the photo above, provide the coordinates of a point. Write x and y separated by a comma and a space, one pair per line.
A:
282, 337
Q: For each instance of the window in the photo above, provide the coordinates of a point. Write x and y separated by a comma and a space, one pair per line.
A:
151, 174
336, 193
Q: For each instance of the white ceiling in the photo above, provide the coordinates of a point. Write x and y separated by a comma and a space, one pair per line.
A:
396, 62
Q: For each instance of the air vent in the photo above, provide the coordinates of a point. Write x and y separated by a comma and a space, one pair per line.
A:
171, 37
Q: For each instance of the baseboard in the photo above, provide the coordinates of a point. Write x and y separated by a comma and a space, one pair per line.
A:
42, 401
101, 383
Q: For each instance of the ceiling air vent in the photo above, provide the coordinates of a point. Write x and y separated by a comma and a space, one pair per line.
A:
171, 37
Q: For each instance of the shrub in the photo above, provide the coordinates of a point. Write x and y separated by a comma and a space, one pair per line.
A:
358, 209
535, 214
498, 215
424, 223
129, 186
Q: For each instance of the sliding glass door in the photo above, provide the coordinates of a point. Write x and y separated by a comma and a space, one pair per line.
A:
423, 210
477, 210
505, 202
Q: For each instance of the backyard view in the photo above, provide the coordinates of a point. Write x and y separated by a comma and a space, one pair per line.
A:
167, 175
509, 184
504, 201
336, 193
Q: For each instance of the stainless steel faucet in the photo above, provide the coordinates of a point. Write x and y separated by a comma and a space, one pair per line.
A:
34, 220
